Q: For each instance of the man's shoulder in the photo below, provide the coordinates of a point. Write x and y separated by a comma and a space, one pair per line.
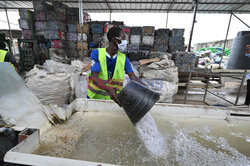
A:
95, 50
94, 53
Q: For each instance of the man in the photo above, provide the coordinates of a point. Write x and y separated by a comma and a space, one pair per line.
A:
108, 66
6, 56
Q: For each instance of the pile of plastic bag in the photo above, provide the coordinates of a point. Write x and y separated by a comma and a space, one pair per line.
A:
162, 77
210, 57
55, 82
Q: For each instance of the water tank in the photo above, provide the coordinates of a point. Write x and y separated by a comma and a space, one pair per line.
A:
240, 57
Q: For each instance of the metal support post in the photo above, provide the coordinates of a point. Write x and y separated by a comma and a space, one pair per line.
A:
80, 3
167, 20
187, 88
205, 95
226, 38
11, 37
110, 14
194, 20
241, 85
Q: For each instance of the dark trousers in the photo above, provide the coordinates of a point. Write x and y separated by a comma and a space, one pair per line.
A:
247, 102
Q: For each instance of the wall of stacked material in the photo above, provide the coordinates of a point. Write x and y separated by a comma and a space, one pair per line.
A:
134, 44
147, 41
83, 36
97, 34
72, 35
50, 23
176, 41
26, 23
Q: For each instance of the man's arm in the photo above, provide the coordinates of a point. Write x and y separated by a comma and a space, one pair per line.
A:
133, 77
129, 70
101, 84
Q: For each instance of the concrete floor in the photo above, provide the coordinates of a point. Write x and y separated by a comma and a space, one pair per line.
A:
229, 92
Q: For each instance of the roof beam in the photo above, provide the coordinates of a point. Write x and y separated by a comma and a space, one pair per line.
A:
106, 4
152, 10
144, 2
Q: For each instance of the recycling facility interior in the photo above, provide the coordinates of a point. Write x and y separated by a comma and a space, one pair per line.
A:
55, 42
51, 30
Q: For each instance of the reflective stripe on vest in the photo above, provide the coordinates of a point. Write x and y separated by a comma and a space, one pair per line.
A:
95, 92
3, 54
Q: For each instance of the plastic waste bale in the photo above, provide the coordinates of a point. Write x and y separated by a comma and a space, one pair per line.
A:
148, 40
135, 39
185, 61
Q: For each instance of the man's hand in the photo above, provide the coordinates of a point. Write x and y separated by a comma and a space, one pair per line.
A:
133, 77
100, 84
112, 93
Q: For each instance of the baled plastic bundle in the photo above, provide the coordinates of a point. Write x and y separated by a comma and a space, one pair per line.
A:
176, 40
72, 28
39, 16
97, 28
56, 25
72, 36
136, 31
178, 32
25, 14
54, 35
24, 24
148, 31
148, 40
133, 48
42, 6
40, 25
26, 34
58, 44
185, 61
135, 39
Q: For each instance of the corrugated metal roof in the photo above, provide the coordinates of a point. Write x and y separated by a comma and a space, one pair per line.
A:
163, 6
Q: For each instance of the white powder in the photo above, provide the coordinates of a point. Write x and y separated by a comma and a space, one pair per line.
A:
149, 134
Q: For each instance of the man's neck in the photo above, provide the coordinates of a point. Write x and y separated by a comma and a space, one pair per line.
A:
111, 51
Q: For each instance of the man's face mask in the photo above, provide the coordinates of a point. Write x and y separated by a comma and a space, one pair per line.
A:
122, 46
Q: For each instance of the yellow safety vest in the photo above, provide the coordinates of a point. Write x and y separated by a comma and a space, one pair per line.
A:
2, 57
117, 80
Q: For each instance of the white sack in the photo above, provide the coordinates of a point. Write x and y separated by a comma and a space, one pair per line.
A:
56, 67
81, 90
52, 88
164, 70
168, 90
